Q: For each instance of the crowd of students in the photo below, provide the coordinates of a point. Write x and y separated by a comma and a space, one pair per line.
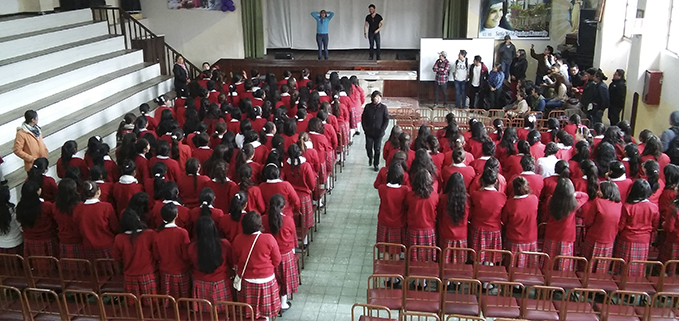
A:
198, 193
599, 192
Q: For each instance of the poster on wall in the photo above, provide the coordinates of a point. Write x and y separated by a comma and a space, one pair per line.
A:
217, 5
515, 18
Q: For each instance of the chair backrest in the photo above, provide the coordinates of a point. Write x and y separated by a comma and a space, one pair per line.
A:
599, 267
486, 121
424, 293
78, 273
579, 301
121, 306
628, 303
161, 307
461, 291
388, 254
83, 304
544, 297
191, 309
456, 317
467, 257
44, 269
669, 275
496, 113
108, 271
664, 305
504, 293
384, 287
419, 316
638, 271
11, 303
41, 303
564, 266
423, 254
233, 311
503, 257
533, 262
13, 266
370, 310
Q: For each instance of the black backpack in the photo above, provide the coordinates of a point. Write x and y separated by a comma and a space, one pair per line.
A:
673, 150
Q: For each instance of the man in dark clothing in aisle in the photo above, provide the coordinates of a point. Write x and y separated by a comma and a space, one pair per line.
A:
617, 92
374, 121
507, 52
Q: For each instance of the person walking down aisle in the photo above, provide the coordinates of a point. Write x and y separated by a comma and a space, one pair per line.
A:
322, 20
373, 24
375, 122
442, 69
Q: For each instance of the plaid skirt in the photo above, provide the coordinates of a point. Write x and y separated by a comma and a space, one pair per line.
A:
71, 251
41, 247
631, 251
554, 248
458, 257
19, 249
595, 249
93, 254
668, 251
287, 273
422, 237
344, 129
176, 285
522, 260
306, 208
483, 240
264, 298
354, 118
141, 284
211, 291
395, 235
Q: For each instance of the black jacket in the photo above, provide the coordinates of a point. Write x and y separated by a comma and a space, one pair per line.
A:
617, 92
601, 100
180, 75
375, 120
518, 68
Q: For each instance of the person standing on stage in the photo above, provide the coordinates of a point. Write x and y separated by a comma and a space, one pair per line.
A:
374, 121
441, 69
322, 20
373, 24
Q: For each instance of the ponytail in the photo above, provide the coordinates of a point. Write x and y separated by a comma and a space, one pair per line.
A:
69, 149
206, 198
238, 202
244, 173
276, 204
36, 172
562, 169
176, 136
652, 170
158, 170
589, 168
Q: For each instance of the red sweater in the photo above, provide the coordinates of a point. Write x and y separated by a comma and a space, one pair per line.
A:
479, 163
512, 166
476, 184
230, 228
663, 160
271, 188
220, 273
330, 134
421, 212
311, 156
255, 200
535, 181
201, 154
74, 162
448, 158
233, 126
258, 124
188, 188
287, 235
382, 178
98, 224
564, 229
601, 219
44, 227
321, 144
49, 188
215, 213
449, 231
222, 193
666, 202
538, 150
637, 221
302, 178
137, 258
289, 140
486, 209
261, 153
155, 220
142, 168
69, 231
122, 193
468, 174
168, 250
623, 187
264, 259
520, 217
392, 212
173, 169
473, 146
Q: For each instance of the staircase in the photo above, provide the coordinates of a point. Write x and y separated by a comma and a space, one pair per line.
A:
80, 74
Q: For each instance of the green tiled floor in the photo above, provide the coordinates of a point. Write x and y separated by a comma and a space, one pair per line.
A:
336, 273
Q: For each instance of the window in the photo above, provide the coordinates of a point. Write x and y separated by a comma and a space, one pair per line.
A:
630, 19
673, 37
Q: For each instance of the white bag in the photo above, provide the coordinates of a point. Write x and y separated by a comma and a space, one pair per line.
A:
238, 280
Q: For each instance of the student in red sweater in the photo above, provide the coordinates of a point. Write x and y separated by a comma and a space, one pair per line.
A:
301, 176
126, 186
601, 218
588, 182
433, 149
638, 220
560, 171
453, 212
256, 257
210, 258
423, 161
169, 193
391, 144
142, 147
535, 181
246, 184
163, 156
507, 146
581, 155
519, 217
617, 175
267, 134
421, 205
321, 145
398, 158
97, 175
512, 166
36, 217
560, 229
458, 166
220, 184
477, 182
48, 185
245, 156
168, 250
134, 248
404, 146
666, 203
178, 150
70, 238
282, 227
478, 136
669, 250
564, 141
154, 185
632, 161
273, 184
188, 183
574, 122
651, 173
230, 225
290, 135
202, 151
206, 199
653, 151
152, 123
537, 148
479, 162
391, 218
69, 159
306, 146
486, 206
97, 221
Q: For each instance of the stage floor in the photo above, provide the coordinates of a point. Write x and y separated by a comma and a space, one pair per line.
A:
356, 54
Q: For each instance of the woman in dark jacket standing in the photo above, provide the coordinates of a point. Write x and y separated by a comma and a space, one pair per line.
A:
181, 76
375, 120
517, 70
617, 91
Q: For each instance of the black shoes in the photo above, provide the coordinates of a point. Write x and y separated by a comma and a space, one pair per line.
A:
376, 168
357, 133
370, 162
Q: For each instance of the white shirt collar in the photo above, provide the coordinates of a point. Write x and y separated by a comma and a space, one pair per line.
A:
285, 94
490, 189
522, 196
162, 157
599, 136
215, 180
343, 94
619, 179
302, 160
274, 180
255, 144
171, 201
203, 147
107, 158
527, 173
459, 165
314, 133
168, 225
130, 232
100, 181
390, 185
234, 120
309, 144
562, 146
484, 157
127, 179
91, 201
142, 155
626, 159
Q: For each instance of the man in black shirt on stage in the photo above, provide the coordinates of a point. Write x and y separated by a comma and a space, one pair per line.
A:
371, 30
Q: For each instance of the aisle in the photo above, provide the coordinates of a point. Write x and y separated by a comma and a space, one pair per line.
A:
336, 273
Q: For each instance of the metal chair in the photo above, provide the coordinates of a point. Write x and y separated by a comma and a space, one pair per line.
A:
422, 260
460, 297
79, 304
42, 304
77, 274
647, 282
499, 300
370, 312
664, 307
44, 272
233, 311
579, 304
669, 277
542, 307
12, 305
191, 309
601, 278
109, 276
567, 279
14, 271
463, 268
419, 316
527, 268
387, 258
121, 306
624, 305
455, 317
384, 290
158, 307
497, 270
425, 295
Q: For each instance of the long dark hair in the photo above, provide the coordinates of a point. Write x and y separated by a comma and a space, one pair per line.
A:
563, 201
30, 207
68, 149
639, 191
457, 198
276, 204
237, 205
671, 172
295, 154
609, 191
244, 173
633, 158
192, 166
395, 173
158, 170
582, 151
67, 196
139, 202
509, 139
206, 198
422, 183
208, 245
6, 209
394, 135
423, 161
653, 147
590, 170
605, 155
561, 167
36, 172
652, 170
252, 222
130, 221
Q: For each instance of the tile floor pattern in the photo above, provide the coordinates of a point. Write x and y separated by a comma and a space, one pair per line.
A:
336, 274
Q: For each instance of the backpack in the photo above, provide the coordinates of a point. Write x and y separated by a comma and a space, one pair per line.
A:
673, 150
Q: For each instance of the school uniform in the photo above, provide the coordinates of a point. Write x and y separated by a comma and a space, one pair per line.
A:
565, 152
41, 238
139, 268
560, 235
70, 238
512, 166
98, 225
173, 169
666, 204
233, 126
448, 158
258, 124
272, 187
312, 158
152, 124
655, 197
184, 155
537, 150
303, 180
344, 123
289, 140
222, 192
169, 246
468, 173
451, 234
624, 185
382, 178
547, 137
180, 110
574, 168
502, 153
519, 217
122, 192
421, 222
259, 286
485, 216
596, 140
142, 167
637, 222
438, 159
214, 141
150, 189
154, 219
601, 218
194, 213
230, 228
522, 133
48, 189
572, 128
188, 188
261, 152
159, 111
325, 152
213, 97
476, 184
215, 286
74, 162
663, 161
480, 162
255, 200
202, 153
535, 182
474, 147
386, 151
287, 273
669, 249
409, 158
579, 183
303, 124
392, 214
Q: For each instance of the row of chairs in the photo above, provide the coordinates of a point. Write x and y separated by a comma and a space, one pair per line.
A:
527, 268
42, 304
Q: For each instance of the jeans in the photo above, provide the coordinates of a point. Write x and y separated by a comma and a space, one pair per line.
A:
372, 148
322, 42
442, 87
553, 104
595, 116
374, 40
614, 115
505, 67
460, 93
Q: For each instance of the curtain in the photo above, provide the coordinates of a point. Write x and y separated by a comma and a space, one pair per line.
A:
455, 18
253, 28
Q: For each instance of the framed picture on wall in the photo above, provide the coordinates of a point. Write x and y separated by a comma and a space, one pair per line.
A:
217, 5
515, 18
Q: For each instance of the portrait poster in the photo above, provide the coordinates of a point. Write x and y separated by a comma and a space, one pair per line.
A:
515, 18
216, 5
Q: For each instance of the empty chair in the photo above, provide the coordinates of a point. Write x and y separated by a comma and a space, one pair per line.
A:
388, 258
121, 306
670, 277
109, 276
597, 275
77, 274
460, 297
233, 311
571, 278
369, 312
495, 270
542, 306
191, 309
80, 305
383, 290
159, 307
11, 304
14, 271
664, 307
531, 273
578, 306
624, 305
499, 301
44, 272
422, 260
460, 265
646, 282
422, 294
419, 316
42, 304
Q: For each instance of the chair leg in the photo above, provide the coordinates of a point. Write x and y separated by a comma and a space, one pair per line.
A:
325, 203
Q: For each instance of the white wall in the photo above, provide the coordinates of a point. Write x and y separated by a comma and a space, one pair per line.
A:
8, 7
199, 35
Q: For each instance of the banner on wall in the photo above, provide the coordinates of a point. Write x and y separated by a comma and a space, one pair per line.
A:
515, 18
217, 5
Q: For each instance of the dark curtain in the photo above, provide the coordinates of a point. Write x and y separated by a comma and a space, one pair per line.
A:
253, 28
455, 18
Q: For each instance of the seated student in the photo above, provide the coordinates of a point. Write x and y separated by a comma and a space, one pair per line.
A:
210, 257
564, 141
458, 166
202, 151
601, 217
189, 182
134, 248
142, 147
452, 214
519, 217
267, 133
545, 165
537, 148
151, 123
70, 238
233, 125
70, 159
36, 217
169, 193
653, 151
520, 107
302, 120
127, 185
538, 100
290, 133
256, 119
574, 122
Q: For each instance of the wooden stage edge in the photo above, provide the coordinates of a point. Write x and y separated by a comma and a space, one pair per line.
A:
392, 88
